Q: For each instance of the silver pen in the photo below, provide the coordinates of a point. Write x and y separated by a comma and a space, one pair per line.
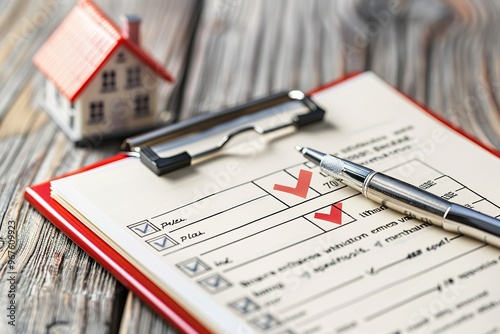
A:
408, 199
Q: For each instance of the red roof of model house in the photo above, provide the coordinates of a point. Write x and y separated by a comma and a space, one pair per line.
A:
80, 46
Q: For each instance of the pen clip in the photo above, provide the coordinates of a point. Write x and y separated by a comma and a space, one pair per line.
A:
162, 165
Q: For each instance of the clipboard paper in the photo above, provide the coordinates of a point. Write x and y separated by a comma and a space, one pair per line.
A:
259, 240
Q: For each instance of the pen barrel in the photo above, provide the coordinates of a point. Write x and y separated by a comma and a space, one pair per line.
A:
406, 198
460, 219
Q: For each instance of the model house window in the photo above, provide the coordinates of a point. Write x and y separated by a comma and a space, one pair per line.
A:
120, 57
96, 112
108, 80
141, 105
133, 76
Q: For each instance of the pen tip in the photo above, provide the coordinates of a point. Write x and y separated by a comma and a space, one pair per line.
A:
299, 148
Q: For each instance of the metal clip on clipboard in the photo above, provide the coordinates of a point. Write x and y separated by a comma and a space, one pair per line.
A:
162, 165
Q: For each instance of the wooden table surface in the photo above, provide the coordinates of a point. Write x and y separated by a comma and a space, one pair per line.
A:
445, 54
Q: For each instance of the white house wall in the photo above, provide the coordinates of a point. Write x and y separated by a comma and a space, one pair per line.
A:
125, 120
61, 110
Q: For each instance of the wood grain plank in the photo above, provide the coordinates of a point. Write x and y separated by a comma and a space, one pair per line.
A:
58, 287
137, 317
247, 49
432, 50
30, 23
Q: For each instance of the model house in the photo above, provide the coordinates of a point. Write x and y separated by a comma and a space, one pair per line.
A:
99, 82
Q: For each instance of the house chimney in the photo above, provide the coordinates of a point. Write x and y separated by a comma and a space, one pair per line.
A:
130, 27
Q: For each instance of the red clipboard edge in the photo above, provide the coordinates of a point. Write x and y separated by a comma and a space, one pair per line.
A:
132, 278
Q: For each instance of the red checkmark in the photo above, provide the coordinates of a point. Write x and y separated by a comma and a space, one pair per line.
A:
335, 215
302, 186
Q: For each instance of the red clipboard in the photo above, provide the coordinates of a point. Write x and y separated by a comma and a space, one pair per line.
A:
131, 277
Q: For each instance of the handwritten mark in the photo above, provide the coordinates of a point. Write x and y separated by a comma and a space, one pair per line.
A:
144, 230
163, 243
245, 305
193, 267
302, 186
215, 283
335, 215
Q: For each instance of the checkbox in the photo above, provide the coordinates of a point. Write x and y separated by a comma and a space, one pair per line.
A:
143, 228
244, 305
265, 321
193, 267
214, 283
162, 242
